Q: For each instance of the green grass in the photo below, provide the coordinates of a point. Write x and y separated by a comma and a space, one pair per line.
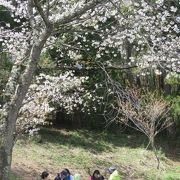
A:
12, 176
81, 151
173, 174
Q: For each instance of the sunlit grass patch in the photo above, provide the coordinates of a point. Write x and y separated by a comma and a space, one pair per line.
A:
83, 150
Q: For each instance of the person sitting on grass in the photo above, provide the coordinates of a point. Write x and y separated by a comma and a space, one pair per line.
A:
96, 176
61, 176
64, 175
114, 175
76, 177
69, 176
45, 175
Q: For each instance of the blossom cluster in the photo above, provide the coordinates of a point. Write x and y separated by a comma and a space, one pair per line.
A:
134, 33
150, 30
49, 93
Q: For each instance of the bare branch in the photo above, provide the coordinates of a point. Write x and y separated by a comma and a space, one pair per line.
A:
143, 111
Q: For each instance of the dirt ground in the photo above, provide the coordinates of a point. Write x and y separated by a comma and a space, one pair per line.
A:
28, 170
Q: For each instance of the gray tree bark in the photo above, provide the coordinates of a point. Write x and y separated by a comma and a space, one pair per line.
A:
14, 102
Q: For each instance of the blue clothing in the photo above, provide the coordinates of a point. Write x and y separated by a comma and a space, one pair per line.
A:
65, 178
69, 178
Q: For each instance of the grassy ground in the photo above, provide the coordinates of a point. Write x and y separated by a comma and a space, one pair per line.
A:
83, 151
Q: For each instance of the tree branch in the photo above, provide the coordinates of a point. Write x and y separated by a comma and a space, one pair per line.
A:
30, 13
41, 12
79, 12
91, 68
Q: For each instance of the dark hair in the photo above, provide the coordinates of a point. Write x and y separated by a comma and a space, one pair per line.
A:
63, 174
96, 172
44, 174
67, 170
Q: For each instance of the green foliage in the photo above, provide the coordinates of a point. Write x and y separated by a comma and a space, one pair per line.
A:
5, 15
12, 176
175, 109
5, 68
172, 174
173, 79
46, 62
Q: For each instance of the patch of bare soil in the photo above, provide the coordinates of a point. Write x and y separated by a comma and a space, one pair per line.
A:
26, 170
29, 170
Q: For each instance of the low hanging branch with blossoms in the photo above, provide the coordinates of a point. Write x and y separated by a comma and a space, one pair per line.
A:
48, 92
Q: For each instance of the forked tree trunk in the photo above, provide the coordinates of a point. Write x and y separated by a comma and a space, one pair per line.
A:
13, 105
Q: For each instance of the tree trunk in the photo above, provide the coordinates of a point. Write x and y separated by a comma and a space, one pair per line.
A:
13, 105
155, 151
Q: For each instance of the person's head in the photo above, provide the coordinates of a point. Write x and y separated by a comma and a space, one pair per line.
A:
111, 169
44, 175
64, 174
96, 174
67, 170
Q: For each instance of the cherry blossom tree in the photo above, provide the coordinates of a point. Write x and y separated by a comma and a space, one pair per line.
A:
138, 33
144, 33
40, 19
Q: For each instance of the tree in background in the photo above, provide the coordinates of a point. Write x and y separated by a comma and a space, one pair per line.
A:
142, 110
